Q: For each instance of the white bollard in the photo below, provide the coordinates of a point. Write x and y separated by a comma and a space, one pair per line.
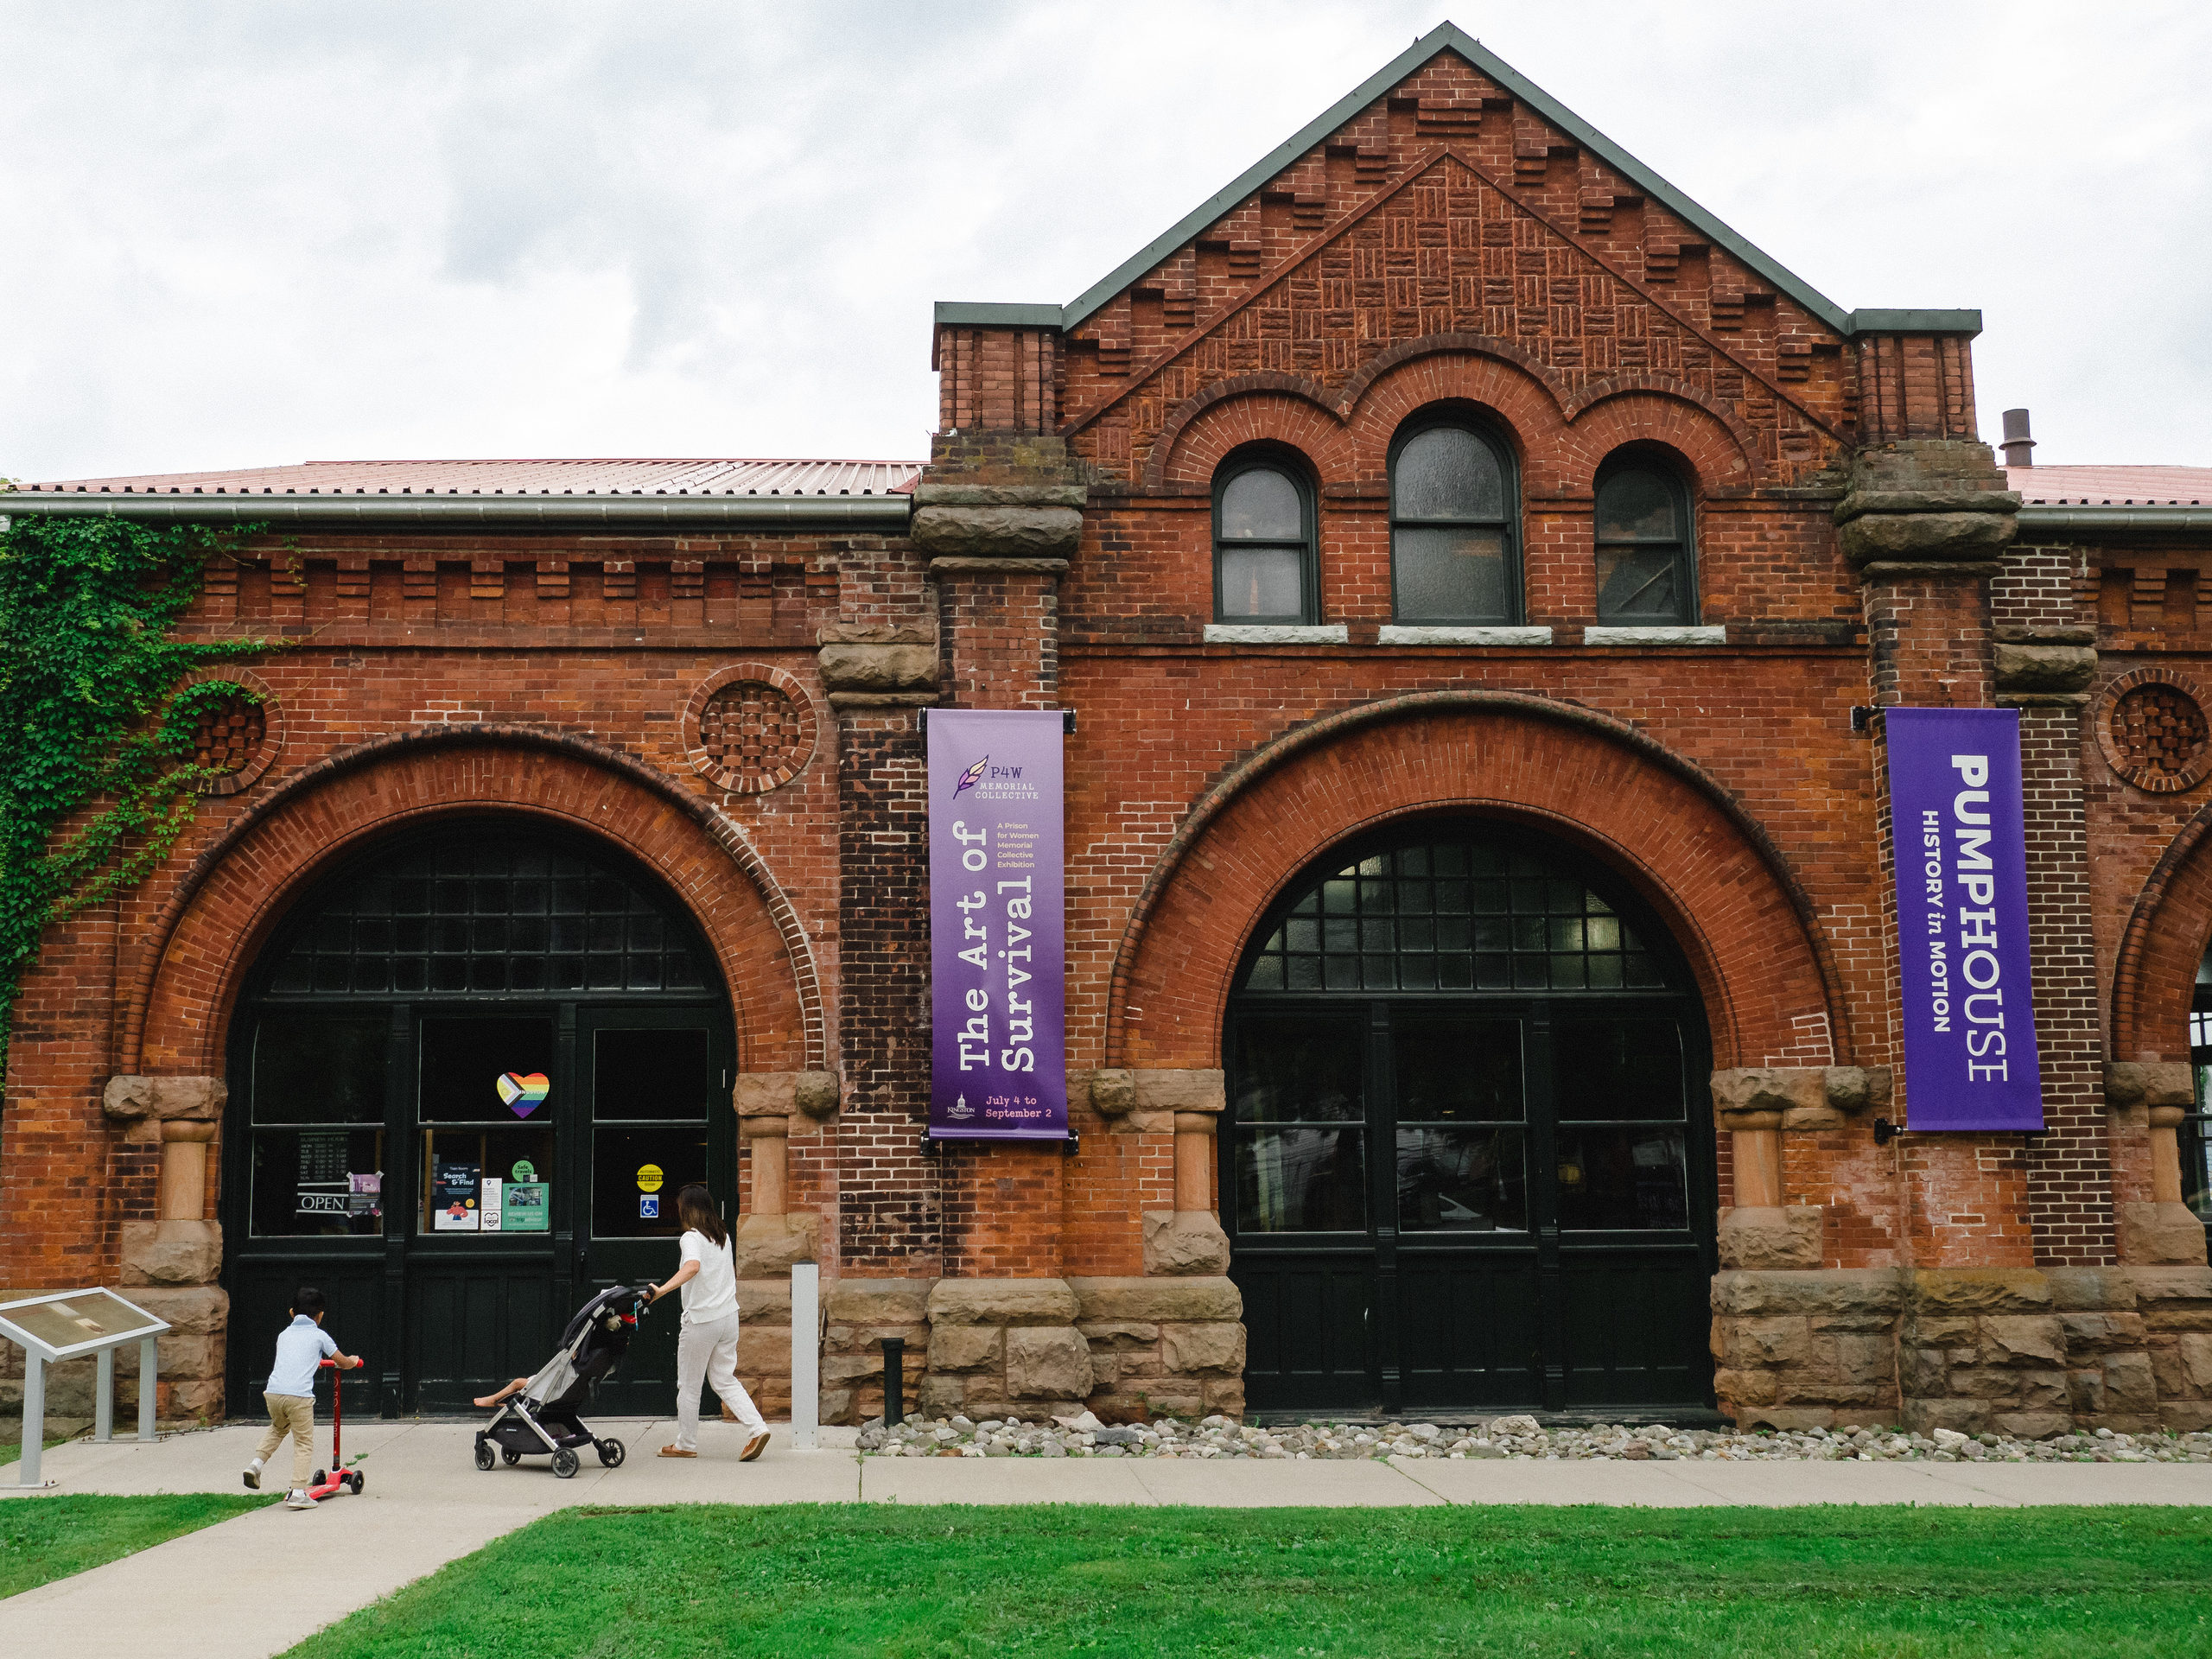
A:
806, 1355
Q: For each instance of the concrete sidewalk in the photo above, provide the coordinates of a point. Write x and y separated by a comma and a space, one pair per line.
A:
232, 1591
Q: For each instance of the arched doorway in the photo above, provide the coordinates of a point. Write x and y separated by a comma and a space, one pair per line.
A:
1469, 1160
467, 1077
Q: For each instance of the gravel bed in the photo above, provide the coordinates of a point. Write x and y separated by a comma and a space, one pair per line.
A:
1521, 1439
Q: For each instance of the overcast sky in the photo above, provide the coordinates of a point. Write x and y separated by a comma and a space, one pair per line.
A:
251, 233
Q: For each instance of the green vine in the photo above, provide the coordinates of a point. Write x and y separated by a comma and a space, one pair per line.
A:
97, 780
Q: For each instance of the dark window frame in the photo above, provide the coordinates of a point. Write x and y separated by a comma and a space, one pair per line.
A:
1291, 467
1507, 527
1655, 462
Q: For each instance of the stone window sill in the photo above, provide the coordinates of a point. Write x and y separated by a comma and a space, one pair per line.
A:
1264, 633
1667, 634
1394, 635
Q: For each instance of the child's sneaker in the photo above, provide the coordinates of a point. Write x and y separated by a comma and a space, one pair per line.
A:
253, 1477
299, 1499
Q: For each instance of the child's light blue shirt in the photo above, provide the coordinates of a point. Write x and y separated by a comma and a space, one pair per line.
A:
301, 1346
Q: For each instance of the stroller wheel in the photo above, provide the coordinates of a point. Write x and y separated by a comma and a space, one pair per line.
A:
564, 1463
611, 1453
484, 1458
510, 1456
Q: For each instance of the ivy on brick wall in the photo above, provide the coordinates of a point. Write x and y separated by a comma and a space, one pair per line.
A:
97, 778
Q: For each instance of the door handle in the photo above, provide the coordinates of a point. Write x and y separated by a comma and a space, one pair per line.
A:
583, 1261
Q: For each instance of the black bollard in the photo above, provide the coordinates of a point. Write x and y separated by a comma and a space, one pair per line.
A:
894, 1381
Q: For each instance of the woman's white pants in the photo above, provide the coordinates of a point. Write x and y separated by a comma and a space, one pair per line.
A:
708, 1353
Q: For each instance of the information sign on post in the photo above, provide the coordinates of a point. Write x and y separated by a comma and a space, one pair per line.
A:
69, 1324
997, 927
1958, 825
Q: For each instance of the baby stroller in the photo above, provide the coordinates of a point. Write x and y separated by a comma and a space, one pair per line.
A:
542, 1418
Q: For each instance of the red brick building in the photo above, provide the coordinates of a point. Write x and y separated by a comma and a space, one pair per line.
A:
1476, 573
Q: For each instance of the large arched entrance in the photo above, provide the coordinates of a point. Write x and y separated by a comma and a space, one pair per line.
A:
468, 1076
1469, 1160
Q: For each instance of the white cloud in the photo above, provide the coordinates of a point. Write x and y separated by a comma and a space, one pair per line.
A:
261, 233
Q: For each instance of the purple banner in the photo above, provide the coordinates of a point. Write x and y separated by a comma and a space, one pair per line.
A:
1962, 919
998, 936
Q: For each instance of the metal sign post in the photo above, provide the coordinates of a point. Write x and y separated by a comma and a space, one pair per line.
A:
806, 1355
69, 1324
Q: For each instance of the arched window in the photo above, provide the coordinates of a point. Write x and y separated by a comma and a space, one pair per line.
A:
1647, 566
1263, 564
1454, 513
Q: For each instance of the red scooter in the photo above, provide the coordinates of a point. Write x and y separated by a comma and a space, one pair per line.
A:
337, 1479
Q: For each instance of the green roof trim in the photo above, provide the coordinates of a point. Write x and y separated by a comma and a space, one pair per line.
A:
1447, 37
970, 314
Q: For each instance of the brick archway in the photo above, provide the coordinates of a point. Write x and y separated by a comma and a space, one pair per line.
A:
1717, 882
2155, 977
204, 942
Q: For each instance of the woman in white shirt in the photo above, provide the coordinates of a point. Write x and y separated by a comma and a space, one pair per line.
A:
706, 1348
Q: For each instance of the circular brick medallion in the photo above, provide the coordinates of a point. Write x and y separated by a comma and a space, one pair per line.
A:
234, 737
751, 728
2152, 728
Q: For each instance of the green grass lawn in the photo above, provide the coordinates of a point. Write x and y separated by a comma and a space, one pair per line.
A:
43, 1538
905, 1582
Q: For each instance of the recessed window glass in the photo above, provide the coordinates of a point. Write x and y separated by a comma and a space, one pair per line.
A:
1645, 569
1453, 518
1263, 557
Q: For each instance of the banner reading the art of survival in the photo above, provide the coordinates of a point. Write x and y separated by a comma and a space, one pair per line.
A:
1962, 919
997, 928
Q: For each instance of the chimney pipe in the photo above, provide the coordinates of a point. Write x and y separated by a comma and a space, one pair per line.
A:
2019, 447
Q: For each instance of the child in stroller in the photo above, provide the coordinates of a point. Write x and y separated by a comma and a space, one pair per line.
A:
537, 1414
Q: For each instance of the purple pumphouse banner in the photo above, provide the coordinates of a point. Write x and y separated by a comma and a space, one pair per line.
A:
1970, 1059
997, 925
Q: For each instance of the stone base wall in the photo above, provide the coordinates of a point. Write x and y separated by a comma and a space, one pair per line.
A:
2020, 1351
1129, 1349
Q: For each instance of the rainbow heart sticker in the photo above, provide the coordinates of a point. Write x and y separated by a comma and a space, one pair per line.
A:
523, 1094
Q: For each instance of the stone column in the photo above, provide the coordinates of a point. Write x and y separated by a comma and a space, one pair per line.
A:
2149, 1098
172, 1262
768, 1238
1924, 523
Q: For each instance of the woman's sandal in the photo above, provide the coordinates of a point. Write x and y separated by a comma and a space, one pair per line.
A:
677, 1452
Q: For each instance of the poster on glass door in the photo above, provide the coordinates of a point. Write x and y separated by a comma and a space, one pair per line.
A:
997, 925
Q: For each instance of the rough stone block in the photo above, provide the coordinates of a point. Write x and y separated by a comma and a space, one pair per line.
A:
877, 1301
198, 1310
1770, 1239
1225, 1394
1003, 1301
172, 1252
1830, 1293
2085, 1392
1737, 1389
1213, 1346
2090, 1334
1916, 536
1857, 1088
1113, 1093
997, 532
1980, 1290
2194, 1350
2033, 1425
2011, 1339
1046, 1362
1862, 1356
2170, 1295
965, 1347
2135, 1085
1960, 1332
1983, 1382
1180, 1243
2130, 1384
1119, 1334
2092, 1289
941, 1397
765, 1350
1767, 1342
817, 1094
764, 1247
1152, 1300
1809, 1119
877, 668
199, 1401
2046, 668
2161, 1233
2185, 1416
1967, 1415
1761, 1090
197, 1099
765, 1301
1179, 1091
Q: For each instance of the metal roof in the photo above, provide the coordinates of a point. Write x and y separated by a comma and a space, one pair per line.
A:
1447, 37
805, 479
2111, 486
